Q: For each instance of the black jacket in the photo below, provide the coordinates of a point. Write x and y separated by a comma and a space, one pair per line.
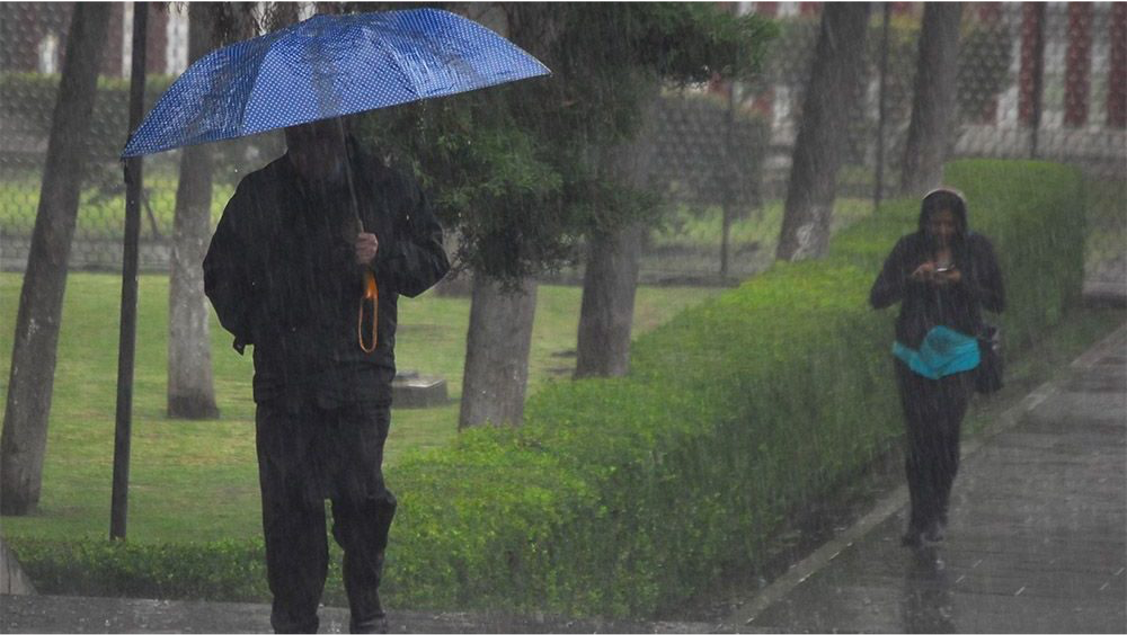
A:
924, 306
281, 274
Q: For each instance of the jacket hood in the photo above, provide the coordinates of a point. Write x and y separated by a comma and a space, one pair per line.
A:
944, 198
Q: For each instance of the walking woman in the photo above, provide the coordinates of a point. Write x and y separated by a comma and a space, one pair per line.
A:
943, 276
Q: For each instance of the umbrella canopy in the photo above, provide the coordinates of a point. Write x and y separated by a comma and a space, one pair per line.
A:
328, 66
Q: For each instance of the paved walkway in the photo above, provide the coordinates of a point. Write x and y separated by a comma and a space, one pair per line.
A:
1038, 535
1037, 543
1105, 284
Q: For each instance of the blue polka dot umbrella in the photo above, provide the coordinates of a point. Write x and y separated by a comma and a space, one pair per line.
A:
328, 66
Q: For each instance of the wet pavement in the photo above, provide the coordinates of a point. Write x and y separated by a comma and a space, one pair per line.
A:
1037, 544
1105, 284
1037, 541
54, 614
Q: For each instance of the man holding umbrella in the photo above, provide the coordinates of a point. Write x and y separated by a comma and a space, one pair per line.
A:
286, 272
310, 258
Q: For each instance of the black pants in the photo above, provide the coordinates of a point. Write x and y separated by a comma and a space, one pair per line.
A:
933, 414
306, 455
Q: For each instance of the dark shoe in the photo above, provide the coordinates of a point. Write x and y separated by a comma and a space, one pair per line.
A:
366, 614
284, 622
374, 625
912, 539
936, 532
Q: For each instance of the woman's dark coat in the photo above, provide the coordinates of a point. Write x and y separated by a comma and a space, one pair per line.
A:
925, 306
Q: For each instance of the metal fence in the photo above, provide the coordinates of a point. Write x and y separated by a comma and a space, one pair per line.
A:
1036, 80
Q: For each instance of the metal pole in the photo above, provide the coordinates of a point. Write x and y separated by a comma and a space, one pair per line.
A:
123, 429
882, 107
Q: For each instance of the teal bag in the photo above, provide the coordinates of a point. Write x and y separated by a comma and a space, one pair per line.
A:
943, 352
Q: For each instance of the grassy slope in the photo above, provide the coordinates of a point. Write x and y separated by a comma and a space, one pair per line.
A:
198, 480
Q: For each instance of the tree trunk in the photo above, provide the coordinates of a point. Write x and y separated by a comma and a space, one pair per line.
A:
726, 216
13, 581
495, 376
831, 100
933, 107
606, 314
24, 439
610, 278
191, 390
497, 347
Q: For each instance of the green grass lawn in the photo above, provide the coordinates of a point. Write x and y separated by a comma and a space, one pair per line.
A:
756, 233
197, 481
695, 234
754, 237
100, 215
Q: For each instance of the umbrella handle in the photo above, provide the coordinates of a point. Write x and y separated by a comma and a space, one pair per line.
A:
372, 294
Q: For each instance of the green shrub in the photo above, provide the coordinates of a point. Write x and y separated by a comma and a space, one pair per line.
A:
223, 571
622, 496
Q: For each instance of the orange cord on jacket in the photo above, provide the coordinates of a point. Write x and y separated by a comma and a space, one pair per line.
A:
371, 292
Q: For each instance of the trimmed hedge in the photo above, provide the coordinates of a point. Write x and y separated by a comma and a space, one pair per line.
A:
225, 570
621, 496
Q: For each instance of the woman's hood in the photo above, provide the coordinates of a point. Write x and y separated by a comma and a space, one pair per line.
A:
944, 198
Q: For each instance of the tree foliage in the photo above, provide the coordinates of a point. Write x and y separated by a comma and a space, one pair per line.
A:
515, 170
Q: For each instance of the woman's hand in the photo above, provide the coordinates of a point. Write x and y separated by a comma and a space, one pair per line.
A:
924, 272
951, 276
929, 272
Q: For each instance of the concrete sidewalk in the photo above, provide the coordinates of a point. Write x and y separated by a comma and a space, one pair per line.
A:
1037, 541
55, 614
